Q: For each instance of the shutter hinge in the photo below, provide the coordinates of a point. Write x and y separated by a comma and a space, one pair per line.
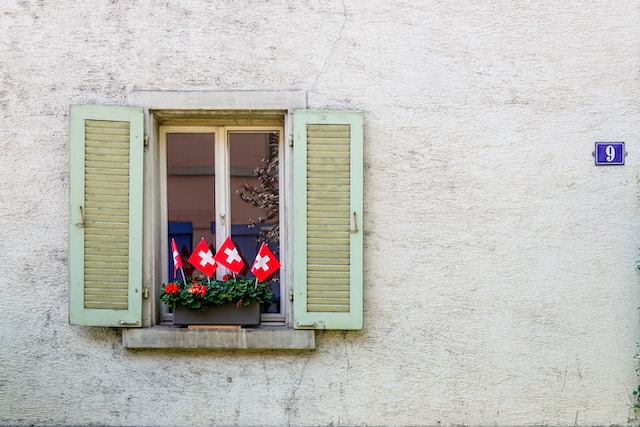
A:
291, 142
146, 140
290, 294
145, 293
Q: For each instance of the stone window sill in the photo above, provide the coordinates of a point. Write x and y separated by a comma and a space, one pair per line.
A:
277, 338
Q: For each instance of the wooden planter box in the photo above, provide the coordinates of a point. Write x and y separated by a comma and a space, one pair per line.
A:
225, 314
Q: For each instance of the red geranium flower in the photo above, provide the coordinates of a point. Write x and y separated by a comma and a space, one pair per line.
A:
171, 288
227, 277
200, 290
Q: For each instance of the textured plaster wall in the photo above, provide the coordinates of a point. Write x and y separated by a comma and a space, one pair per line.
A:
499, 261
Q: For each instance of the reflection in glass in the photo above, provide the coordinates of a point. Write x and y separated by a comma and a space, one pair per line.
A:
190, 192
255, 198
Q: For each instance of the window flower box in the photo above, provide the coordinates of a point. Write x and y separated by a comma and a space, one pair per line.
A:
224, 314
231, 301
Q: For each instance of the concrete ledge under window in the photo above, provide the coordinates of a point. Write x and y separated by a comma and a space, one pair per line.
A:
253, 338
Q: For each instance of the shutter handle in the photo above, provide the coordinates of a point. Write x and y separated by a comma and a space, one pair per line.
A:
306, 324
81, 224
355, 224
129, 323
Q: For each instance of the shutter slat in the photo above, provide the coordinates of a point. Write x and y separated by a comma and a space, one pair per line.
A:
112, 241
98, 185
328, 264
102, 280
106, 175
102, 124
321, 294
327, 221
326, 304
102, 168
340, 196
324, 254
322, 207
107, 306
104, 296
112, 231
105, 290
104, 191
98, 164
104, 201
95, 139
337, 170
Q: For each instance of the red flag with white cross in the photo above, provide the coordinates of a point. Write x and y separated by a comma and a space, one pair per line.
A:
202, 259
177, 259
229, 257
265, 263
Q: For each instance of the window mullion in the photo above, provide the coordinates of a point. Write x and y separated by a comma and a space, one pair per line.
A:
222, 196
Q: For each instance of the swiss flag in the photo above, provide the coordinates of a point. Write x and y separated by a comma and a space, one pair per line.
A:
202, 259
177, 259
229, 257
265, 263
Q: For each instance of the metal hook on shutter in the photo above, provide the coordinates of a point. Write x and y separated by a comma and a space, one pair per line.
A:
355, 224
81, 224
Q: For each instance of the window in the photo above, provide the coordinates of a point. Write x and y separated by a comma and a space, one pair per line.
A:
125, 200
208, 177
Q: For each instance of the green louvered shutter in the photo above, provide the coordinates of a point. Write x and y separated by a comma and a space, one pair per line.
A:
327, 249
105, 230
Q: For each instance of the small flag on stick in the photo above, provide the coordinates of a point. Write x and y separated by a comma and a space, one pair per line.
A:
177, 259
229, 257
202, 259
265, 263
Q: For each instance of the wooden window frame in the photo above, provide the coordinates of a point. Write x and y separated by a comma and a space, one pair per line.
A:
223, 198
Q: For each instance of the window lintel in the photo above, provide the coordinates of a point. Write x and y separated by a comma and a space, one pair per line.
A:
218, 100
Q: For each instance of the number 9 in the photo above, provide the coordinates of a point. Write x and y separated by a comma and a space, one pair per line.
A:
610, 151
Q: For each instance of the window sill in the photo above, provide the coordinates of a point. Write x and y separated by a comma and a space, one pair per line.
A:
250, 338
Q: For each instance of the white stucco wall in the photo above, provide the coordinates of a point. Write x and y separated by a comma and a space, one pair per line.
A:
500, 282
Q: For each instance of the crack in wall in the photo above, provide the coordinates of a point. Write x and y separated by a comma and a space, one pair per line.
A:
333, 47
292, 399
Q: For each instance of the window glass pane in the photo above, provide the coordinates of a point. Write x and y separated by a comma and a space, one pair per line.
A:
255, 198
190, 193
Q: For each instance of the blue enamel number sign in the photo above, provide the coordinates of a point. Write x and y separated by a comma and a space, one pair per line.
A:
609, 153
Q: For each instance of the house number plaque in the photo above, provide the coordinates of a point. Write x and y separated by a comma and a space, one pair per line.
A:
609, 153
